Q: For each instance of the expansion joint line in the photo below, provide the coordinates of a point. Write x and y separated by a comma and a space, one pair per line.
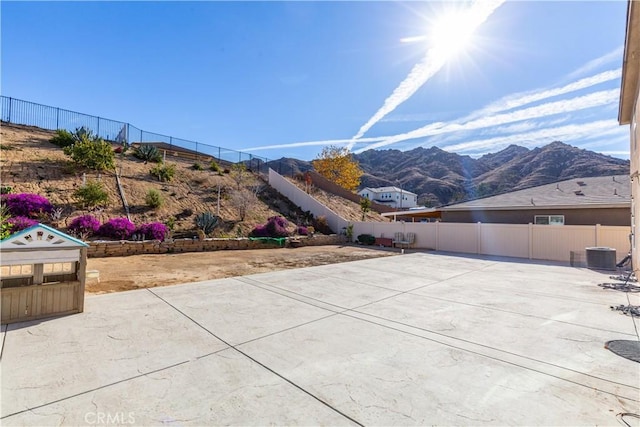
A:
302, 389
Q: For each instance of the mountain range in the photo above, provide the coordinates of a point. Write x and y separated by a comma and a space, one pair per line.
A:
439, 177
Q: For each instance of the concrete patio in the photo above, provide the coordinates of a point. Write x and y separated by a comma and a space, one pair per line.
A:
416, 339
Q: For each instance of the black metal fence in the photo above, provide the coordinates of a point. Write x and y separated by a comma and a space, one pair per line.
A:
22, 112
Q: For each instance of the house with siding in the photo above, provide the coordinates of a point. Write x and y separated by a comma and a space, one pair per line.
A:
390, 196
580, 201
629, 113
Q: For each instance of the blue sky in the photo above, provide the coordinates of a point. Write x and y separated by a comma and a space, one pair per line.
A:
286, 78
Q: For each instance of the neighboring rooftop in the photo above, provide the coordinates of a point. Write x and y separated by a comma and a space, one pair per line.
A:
390, 189
578, 192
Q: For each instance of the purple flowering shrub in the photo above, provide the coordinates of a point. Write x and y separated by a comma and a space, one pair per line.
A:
302, 230
85, 225
276, 226
259, 231
19, 223
117, 228
27, 205
153, 231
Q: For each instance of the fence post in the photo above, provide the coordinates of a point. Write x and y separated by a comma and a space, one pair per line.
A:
98, 127
10, 102
58, 118
171, 143
530, 241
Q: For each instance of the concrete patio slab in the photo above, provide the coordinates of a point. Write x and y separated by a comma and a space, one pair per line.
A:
120, 336
220, 389
238, 312
418, 339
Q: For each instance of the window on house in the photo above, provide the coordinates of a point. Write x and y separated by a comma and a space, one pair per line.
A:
549, 220
16, 275
16, 270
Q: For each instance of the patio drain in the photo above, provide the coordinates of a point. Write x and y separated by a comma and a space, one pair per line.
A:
625, 348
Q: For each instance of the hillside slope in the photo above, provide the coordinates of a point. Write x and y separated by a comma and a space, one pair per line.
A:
31, 164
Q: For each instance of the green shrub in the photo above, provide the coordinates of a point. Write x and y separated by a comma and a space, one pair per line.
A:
91, 194
154, 198
366, 239
214, 166
197, 167
164, 172
5, 226
63, 138
5, 189
148, 153
94, 154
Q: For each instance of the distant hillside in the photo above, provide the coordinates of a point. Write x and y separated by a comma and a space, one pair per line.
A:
440, 177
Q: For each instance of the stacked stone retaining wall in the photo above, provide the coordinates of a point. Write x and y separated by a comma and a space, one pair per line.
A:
124, 248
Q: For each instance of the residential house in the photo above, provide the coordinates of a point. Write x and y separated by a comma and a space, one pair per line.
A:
629, 113
580, 201
390, 196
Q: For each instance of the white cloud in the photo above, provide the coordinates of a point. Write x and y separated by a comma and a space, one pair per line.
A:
432, 62
307, 144
566, 133
524, 98
595, 99
614, 55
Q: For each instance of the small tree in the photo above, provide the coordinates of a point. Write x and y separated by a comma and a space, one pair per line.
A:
239, 174
365, 206
91, 195
337, 165
91, 152
243, 199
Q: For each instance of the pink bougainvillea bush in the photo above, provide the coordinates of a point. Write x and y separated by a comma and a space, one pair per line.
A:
276, 226
153, 231
27, 205
117, 228
85, 225
19, 223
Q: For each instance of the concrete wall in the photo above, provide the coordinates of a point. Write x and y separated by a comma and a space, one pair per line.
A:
545, 242
306, 202
126, 248
604, 216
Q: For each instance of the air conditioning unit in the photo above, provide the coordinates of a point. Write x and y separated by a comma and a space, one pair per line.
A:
601, 258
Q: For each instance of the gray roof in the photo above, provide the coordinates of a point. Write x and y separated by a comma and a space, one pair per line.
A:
605, 191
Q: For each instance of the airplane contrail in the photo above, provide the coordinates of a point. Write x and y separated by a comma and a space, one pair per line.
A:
432, 62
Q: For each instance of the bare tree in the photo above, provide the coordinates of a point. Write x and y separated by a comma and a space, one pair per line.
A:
244, 198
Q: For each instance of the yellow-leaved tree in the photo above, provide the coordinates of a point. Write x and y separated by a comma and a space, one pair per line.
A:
338, 165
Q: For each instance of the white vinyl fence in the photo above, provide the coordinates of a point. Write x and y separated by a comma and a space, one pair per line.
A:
565, 243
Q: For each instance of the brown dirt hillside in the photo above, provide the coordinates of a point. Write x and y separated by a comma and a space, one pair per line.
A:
30, 163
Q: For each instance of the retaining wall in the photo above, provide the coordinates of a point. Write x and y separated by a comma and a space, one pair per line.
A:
125, 248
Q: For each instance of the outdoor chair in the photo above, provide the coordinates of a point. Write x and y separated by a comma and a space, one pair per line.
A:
398, 237
409, 241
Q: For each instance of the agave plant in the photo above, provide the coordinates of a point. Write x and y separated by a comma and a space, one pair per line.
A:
148, 153
207, 222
